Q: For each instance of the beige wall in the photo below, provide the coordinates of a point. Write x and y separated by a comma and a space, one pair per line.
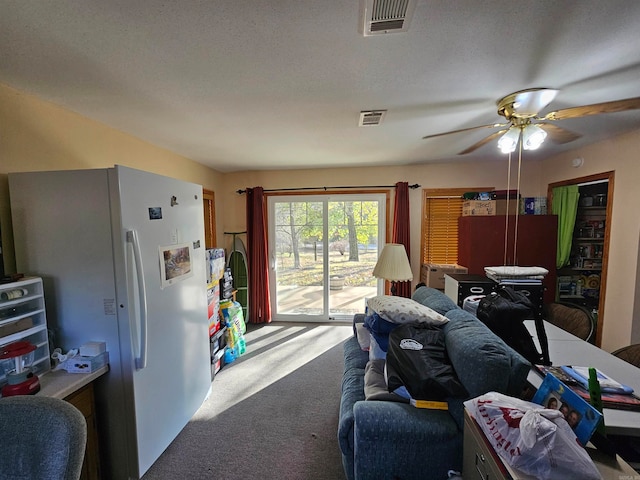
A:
38, 135
622, 301
451, 175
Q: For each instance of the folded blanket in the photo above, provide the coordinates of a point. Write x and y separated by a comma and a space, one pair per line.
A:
515, 271
503, 278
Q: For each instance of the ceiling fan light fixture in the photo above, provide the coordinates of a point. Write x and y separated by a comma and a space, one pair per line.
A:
532, 137
509, 140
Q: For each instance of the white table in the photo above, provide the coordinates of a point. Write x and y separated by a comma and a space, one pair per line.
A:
567, 349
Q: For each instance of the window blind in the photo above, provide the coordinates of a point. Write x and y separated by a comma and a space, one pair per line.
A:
441, 209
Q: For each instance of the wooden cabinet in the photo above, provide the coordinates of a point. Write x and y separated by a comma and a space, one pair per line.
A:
83, 400
481, 243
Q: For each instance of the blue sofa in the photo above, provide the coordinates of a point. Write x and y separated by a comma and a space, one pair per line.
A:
386, 440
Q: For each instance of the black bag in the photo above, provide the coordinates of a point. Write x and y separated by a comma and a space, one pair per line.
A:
417, 359
504, 312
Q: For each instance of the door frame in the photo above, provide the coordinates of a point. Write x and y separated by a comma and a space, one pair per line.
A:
604, 176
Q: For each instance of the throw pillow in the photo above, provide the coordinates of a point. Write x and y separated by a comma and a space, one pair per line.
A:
404, 310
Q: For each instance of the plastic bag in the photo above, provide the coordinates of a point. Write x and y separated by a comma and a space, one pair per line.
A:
232, 315
534, 440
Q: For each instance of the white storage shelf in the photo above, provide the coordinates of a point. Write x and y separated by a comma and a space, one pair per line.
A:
28, 306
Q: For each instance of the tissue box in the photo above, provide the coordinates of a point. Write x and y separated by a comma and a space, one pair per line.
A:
92, 349
82, 364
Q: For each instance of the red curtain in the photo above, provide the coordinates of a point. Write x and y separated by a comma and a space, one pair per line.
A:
259, 309
401, 230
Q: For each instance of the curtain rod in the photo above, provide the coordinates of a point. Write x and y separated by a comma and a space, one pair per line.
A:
240, 192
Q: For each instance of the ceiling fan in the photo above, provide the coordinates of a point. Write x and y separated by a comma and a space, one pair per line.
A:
521, 110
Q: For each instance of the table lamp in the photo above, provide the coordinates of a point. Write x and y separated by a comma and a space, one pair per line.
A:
393, 265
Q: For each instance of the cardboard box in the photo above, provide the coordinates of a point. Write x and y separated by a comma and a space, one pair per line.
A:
501, 206
80, 364
432, 274
478, 207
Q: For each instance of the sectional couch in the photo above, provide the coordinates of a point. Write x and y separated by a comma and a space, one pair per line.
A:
391, 440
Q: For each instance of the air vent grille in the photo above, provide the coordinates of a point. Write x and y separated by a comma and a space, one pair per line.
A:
371, 118
385, 16
387, 25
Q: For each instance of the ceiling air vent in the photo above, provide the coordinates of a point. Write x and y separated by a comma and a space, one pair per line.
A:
385, 16
371, 118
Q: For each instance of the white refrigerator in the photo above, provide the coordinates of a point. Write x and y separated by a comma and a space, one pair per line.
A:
122, 256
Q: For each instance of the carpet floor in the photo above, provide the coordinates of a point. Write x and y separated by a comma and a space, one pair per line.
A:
272, 414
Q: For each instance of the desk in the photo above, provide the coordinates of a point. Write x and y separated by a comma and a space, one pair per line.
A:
567, 349
77, 389
60, 384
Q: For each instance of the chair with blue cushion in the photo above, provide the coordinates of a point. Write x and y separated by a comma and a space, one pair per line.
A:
43, 439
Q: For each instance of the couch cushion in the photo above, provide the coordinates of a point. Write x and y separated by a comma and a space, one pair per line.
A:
469, 340
434, 299
354, 356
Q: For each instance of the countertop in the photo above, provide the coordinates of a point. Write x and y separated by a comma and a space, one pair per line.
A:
61, 384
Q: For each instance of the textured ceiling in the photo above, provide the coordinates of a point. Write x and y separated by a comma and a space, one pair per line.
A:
240, 85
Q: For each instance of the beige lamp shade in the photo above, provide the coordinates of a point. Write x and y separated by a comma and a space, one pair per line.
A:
393, 264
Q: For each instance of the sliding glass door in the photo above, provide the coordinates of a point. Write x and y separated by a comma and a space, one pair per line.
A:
322, 252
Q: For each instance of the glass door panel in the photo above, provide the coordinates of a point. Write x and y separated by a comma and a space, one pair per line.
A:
323, 250
297, 257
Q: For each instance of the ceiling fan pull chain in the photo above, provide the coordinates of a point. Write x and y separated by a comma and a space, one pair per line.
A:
515, 233
506, 217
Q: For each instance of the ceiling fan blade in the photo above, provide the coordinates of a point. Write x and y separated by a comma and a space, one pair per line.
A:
493, 125
595, 109
558, 134
482, 142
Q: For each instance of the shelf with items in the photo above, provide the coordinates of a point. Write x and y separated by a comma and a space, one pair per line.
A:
581, 287
23, 318
588, 239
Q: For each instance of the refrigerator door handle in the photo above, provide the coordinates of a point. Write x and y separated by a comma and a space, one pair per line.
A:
141, 360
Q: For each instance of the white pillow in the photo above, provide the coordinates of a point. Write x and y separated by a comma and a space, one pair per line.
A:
404, 310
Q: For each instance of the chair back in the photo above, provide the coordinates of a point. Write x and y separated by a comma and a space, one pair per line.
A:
630, 354
572, 318
43, 439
